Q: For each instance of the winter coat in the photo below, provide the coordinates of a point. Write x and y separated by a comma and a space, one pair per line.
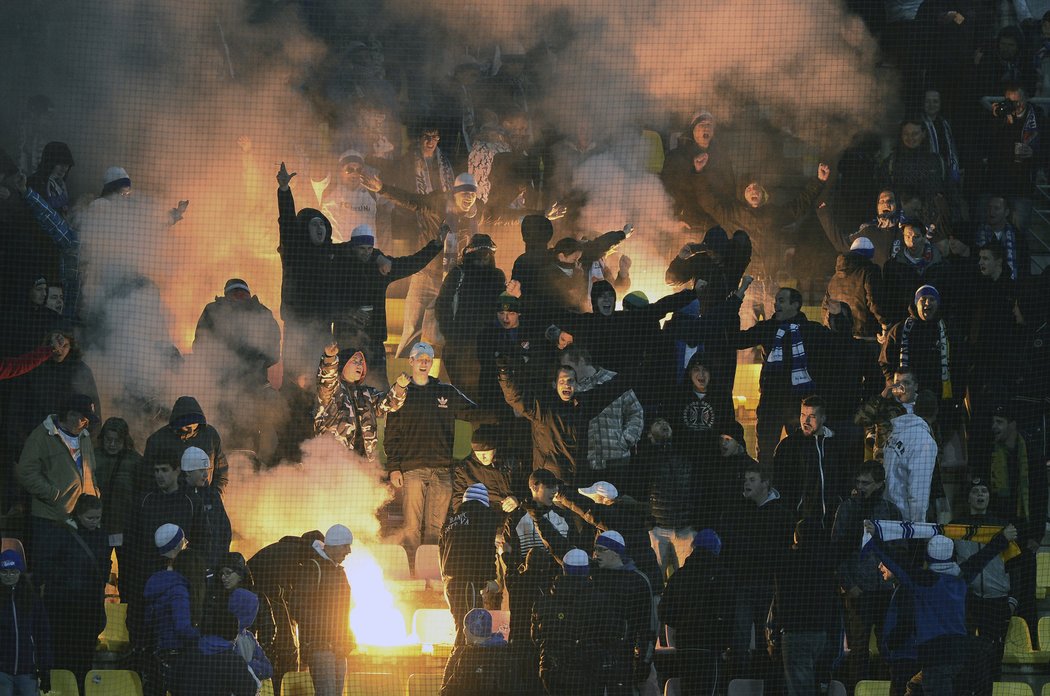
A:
114, 475
857, 283
558, 427
55, 193
74, 581
681, 180
466, 472
21, 364
910, 457
514, 345
466, 543
167, 594
211, 533
901, 278
855, 569
820, 345
697, 603
1018, 488
358, 284
675, 490
629, 600
478, 670
46, 470
557, 295
616, 429
994, 337
166, 445
351, 411
276, 567
25, 635
239, 340
229, 618
306, 274
569, 625
465, 303
751, 536
806, 594
153, 510
924, 353
320, 604
812, 473
420, 434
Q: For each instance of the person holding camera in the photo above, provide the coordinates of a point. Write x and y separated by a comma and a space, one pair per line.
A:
1015, 150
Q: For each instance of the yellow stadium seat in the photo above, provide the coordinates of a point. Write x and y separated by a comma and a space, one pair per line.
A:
267, 688
63, 683
428, 562
1019, 649
1011, 689
114, 637
872, 688
1042, 574
1043, 631
297, 684
424, 684
112, 682
1046, 689
434, 626
654, 160
368, 683
873, 644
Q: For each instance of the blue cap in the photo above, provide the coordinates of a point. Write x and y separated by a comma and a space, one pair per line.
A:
708, 540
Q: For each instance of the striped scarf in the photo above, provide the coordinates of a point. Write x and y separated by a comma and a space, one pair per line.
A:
801, 382
895, 530
942, 344
1008, 239
945, 149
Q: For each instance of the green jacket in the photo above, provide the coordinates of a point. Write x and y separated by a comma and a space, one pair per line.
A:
46, 469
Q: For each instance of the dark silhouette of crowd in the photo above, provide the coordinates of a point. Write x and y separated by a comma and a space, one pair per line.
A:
641, 510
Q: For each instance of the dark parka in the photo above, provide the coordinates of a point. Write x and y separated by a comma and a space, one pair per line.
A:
166, 445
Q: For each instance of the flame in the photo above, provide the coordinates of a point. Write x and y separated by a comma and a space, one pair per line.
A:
375, 618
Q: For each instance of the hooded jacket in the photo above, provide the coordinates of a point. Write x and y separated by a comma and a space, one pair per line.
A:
239, 340
466, 543
464, 304
537, 232
166, 445
909, 458
751, 536
858, 570
812, 473
48, 473
305, 266
697, 603
320, 604
857, 283
901, 277
167, 595
351, 412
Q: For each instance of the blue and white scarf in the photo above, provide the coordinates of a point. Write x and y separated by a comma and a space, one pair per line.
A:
800, 380
945, 149
986, 234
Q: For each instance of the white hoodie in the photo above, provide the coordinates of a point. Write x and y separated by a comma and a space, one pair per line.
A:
909, 459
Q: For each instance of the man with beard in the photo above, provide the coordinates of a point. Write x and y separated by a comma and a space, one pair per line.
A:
882, 232
809, 466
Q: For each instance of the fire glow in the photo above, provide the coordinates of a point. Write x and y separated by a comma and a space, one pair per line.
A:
375, 618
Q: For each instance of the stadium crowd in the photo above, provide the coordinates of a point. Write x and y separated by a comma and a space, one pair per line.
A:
610, 498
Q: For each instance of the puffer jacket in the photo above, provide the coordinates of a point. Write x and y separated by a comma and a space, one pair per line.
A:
239, 339
675, 488
343, 409
168, 612
857, 283
26, 644
617, 428
910, 457
47, 471
166, 445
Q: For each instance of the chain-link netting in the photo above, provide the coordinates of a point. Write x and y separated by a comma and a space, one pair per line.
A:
585, 348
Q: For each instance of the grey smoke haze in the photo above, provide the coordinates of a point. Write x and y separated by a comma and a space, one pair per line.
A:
166, 89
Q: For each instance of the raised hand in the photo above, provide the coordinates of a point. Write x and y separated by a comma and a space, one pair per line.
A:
178, 211
331, 350
625, 263
245, 143
514, 288
628, 230
284, 178
556, 211
371, 181
823, 171
384, 264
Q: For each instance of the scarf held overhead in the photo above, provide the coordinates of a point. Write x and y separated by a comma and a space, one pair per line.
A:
895, 530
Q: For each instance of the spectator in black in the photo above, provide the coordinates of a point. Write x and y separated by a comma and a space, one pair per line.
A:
73, 587
480, 665
1015, 151
673, 495
211, 532
803, 615
865, 594
418, 443
362, 275
567, 625
187, 427
916, 262
233, 575
505, 337
306, 277
606, 509
482, 467
320, 605
346, 408
1018, 488
793, 345
911, 166
116, 463
754, 531
989, 601
562, 286
468, 554
49, 179
997, 227
883, 231
166, 503
680, 172
462, 310
629, 600
703, 406
537, 232
274, 569
26, 657
696, 605
810, 467
939, 134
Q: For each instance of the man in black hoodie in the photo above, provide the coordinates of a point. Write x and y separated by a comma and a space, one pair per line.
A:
810, 468
186, 428
468, 554
537, 232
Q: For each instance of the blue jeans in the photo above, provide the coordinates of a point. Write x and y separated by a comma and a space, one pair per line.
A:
17, 684
427, 493
802, 650
327, 670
